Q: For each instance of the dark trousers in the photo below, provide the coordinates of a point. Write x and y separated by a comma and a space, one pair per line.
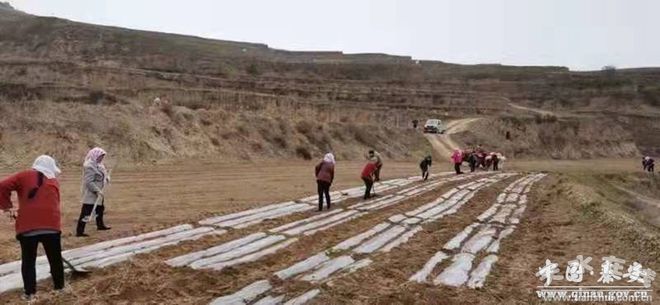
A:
425, 173
481, 162
53, 248
377, 172
457, 168
323, 189
650, 168
473, 166
85, 211
368, 184
495, 165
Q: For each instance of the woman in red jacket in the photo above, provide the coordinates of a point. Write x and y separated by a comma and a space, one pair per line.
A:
368, 173
38, 219
325, 174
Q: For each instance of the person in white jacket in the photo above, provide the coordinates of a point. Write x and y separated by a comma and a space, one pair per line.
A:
95, 178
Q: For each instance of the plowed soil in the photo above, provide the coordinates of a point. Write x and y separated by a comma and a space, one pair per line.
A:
566, 216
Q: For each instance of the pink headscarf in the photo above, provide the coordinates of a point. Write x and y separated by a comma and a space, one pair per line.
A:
92, 159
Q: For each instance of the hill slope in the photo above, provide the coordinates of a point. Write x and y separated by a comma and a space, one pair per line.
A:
65, 86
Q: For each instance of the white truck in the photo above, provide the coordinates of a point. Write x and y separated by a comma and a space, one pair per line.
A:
434, 126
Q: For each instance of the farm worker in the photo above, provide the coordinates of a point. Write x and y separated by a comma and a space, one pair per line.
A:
481, 156
650, 164
644, 161
95, 178
38, 219
374, 156
488, 160
368, 173
325, 174
472, 161
457, 158
424, 165
495, 159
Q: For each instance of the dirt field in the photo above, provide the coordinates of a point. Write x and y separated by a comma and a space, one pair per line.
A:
554, 229
561, 222
146, 198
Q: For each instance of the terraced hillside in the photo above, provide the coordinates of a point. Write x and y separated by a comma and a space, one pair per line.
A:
72, 85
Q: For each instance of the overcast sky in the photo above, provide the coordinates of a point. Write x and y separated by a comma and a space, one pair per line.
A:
580, 34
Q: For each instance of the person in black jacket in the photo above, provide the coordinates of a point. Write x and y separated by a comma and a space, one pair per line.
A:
495, 160
424, 165
649, 164
472, 160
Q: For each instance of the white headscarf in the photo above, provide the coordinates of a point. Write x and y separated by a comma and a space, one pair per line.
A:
330, 158
47, 166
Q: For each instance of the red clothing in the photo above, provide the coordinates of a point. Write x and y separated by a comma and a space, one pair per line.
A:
39, 213
368, 170
457, 157
325, 171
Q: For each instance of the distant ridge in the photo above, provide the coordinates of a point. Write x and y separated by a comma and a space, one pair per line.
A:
50, 38
6, 6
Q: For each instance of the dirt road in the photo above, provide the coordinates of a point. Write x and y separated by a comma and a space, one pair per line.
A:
443, 144
524, 108
534, 110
